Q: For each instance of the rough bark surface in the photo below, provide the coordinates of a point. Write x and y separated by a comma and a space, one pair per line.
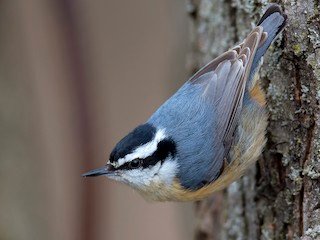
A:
279, 198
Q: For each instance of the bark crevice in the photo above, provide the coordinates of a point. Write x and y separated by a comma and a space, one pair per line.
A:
280, 197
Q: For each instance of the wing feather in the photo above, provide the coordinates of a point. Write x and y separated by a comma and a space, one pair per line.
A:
226, 78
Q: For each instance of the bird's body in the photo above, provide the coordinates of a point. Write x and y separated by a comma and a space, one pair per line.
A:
197, 169
208, 133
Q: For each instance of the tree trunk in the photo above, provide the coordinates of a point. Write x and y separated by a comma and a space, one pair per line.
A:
279, 198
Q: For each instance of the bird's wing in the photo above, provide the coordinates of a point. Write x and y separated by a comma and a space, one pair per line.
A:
225, 79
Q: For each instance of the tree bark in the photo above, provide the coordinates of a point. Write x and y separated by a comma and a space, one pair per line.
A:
279, 198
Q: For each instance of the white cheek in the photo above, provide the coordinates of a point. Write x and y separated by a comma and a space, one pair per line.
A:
116, 178
168, 171
139, 177
164, 173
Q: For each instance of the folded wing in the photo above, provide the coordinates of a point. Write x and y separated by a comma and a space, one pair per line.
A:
225, 78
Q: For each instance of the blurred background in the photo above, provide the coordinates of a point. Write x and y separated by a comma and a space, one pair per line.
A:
75, 77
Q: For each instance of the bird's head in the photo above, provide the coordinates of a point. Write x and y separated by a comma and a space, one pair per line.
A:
143, 158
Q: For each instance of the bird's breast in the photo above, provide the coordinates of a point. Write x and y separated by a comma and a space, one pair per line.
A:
176, 192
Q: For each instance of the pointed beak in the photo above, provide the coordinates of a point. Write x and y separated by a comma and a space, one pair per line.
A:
105, 170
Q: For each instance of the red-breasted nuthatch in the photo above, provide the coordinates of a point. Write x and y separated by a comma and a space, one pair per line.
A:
208, 133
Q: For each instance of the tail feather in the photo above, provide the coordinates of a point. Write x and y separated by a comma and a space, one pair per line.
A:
273, 21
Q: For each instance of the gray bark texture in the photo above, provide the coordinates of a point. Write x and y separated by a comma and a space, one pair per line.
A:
279, 198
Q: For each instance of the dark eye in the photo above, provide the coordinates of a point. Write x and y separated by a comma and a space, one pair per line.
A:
135, 163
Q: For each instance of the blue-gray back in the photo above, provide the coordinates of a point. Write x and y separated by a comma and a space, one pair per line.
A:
189, 120
201, 117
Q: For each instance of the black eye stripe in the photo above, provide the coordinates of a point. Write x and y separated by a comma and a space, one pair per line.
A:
149, 161
126, 166
164, 148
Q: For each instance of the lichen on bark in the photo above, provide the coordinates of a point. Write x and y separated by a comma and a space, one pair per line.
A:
280, 197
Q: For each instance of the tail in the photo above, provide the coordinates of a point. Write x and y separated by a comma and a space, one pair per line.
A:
273, 21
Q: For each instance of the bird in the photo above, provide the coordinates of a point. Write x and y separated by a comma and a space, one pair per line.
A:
208, 133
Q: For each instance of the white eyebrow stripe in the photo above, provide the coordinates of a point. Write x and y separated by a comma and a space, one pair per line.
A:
143, 151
